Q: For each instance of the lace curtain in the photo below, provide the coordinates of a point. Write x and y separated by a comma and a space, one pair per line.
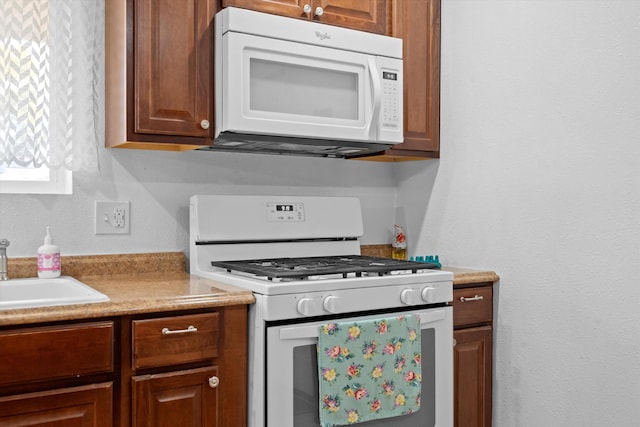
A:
51, 83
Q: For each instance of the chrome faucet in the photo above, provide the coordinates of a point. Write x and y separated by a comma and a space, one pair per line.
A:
4, 272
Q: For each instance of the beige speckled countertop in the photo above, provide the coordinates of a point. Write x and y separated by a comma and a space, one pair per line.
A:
136, 283
148, 283
467, 276
461, 276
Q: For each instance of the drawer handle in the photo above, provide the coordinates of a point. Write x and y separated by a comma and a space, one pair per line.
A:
190, 329
475, 298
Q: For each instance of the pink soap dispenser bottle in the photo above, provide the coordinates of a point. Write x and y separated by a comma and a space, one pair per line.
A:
48, 258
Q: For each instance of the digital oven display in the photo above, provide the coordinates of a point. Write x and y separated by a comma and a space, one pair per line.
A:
285, 212
389, 76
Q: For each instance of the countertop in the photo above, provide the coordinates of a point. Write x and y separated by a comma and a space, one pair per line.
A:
135, 284
134, 294
149, 283
467, 276
461, 276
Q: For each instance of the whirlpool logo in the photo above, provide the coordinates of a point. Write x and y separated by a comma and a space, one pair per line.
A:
323, 36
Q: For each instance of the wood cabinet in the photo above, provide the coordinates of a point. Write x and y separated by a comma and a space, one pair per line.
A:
57, 375
180, 398
417, 23
473, 332
159, 67
187, 369
89, 405
159, 73
364, 15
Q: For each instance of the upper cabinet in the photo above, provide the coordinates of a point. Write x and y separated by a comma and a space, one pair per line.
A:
365, 15
159, 73
417, 22
160, 79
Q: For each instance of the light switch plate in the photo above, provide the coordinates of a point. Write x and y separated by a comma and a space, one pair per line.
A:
112, 217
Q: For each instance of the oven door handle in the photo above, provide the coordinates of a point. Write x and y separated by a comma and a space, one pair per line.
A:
300, 332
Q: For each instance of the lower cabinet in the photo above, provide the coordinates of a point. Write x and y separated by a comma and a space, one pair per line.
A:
57, 375
473, 355
89, 405
186, 369
159, 369
182, 398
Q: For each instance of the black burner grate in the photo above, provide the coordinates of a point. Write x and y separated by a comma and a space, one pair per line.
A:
302, 268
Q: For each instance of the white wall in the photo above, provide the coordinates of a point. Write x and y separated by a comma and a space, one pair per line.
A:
159, 184
539, 181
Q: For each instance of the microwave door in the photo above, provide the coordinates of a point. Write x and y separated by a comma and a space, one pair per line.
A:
277, 87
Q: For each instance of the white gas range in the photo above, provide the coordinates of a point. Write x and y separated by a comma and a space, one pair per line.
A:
301, 258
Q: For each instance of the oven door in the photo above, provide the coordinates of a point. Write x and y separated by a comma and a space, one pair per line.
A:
292, 375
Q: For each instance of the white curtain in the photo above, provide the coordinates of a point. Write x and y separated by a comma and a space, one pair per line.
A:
51, 83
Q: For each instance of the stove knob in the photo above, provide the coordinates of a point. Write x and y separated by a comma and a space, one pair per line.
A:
330, 304
410, 297
429, 294
305, 306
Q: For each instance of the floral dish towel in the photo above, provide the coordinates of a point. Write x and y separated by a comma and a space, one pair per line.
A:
369, 369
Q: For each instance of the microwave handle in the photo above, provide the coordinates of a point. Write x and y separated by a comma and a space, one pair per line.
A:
377, 98
300, 332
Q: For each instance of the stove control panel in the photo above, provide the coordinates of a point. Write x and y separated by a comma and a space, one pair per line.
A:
354, 300
285, 212
413, 296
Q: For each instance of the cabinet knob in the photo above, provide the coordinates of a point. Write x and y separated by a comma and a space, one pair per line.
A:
319, 11
307, 8
204, 124
214, 381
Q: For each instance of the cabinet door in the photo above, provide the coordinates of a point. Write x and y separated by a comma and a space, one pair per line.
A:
417, 23
365, 15
182, 398
173, 62
89, 406
292, 8
472, 377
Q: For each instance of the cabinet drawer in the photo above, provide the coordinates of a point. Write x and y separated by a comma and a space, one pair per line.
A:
89, 405
174, 340
54, 352
472, 306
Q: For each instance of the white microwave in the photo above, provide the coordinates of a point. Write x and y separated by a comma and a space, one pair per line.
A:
290, 86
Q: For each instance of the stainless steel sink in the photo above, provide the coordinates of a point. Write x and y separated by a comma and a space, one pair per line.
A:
36, 292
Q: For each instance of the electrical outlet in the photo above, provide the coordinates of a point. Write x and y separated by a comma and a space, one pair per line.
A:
112, 217
119, 216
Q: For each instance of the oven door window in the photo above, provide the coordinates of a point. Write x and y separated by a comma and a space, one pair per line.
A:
276, 87
292, 377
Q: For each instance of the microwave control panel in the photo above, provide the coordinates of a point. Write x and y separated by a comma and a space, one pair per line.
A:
391, 100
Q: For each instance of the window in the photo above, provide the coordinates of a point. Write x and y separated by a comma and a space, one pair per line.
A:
50, 92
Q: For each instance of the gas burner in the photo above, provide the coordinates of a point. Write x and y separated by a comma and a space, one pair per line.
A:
314, 268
